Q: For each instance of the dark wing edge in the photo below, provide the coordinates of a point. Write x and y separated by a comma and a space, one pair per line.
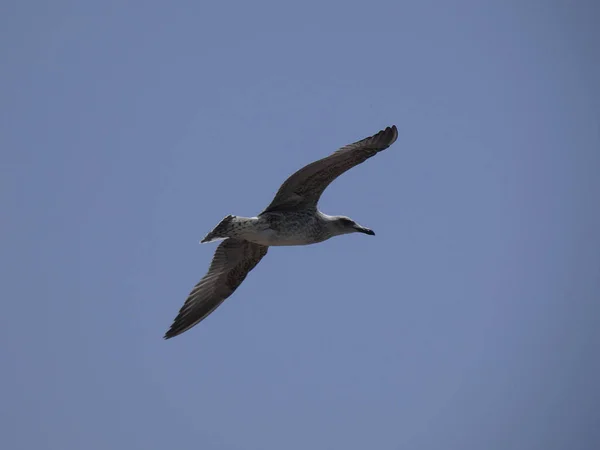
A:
233, 260
304, 187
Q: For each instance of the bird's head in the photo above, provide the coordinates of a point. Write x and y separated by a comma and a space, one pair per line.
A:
345, 225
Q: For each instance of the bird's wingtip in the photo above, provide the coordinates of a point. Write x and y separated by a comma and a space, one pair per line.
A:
171, 332
394, 134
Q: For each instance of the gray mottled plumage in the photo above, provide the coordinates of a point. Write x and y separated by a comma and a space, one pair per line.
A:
292, 218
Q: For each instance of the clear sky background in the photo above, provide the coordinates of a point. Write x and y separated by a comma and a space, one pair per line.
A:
470, 321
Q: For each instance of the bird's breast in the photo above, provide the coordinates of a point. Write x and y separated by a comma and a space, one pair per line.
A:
286, 230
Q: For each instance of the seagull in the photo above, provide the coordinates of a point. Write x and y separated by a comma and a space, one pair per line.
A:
292, 218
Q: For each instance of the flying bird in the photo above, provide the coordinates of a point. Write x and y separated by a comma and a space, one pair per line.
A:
292, 218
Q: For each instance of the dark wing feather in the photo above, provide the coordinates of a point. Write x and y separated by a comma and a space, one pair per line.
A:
233, 259
304, 188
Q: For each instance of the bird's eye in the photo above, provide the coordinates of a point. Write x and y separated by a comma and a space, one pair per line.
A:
346, 221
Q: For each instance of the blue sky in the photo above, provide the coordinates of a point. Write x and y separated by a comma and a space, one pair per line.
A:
129, 129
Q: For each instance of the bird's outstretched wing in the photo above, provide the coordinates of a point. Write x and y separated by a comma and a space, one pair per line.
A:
304, 188
233, 260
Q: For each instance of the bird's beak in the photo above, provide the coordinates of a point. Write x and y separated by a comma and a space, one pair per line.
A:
365, 230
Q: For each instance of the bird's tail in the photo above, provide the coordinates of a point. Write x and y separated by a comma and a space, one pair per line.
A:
219, 232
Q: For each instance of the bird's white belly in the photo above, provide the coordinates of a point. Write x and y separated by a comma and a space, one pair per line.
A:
272, 238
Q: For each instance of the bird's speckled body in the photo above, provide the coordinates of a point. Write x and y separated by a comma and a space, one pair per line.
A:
285, 228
